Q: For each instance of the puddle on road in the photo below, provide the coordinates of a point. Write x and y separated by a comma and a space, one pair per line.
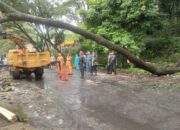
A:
40, 84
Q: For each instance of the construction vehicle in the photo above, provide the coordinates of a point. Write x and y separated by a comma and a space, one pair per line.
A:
22, 61
70, 42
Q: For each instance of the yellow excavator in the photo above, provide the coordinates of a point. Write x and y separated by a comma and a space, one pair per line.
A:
23, 61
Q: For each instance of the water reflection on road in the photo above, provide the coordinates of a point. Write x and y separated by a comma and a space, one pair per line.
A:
96, 104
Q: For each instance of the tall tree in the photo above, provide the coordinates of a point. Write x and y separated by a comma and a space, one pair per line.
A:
44, 8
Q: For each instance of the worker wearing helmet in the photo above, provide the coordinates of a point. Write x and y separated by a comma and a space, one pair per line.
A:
69, 64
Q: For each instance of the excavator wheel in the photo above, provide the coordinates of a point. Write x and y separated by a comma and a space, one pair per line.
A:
16, 74
39, 73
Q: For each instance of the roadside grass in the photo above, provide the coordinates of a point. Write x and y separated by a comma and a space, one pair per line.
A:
178, 73
133, 70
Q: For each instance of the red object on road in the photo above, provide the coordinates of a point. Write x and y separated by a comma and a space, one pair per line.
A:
64, 76
59, 69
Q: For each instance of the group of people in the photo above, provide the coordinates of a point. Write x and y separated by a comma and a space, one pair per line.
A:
61, 62
86, 63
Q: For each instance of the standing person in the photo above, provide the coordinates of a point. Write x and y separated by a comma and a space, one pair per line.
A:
88, 62
94, 64
76, 61
69, 64
108, 63
52, 62
82, 63
5, 60
113, 62
1, 59
60, 60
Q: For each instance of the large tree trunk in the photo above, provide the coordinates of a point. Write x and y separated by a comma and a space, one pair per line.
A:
18, 16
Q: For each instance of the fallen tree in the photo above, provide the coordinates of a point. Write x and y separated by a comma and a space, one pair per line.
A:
13, 15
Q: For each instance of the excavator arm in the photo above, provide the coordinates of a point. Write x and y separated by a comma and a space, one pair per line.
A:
17, 40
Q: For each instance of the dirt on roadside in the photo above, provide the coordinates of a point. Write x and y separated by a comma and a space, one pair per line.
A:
17, 126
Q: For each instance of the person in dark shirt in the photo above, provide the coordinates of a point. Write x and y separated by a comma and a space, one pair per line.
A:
108, 63
113, 62
82, 63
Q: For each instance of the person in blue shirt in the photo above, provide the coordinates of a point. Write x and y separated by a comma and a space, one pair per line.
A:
93, 63
88, 62
76, 61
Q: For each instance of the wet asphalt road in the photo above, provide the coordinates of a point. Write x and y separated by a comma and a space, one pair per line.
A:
103, 102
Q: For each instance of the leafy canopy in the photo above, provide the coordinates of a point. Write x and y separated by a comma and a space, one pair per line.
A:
123, 22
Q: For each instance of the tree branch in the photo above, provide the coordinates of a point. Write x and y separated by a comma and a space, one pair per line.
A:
4, 19
27, 35
6, 8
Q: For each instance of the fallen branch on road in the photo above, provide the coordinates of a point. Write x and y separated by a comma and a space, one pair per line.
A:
8, 114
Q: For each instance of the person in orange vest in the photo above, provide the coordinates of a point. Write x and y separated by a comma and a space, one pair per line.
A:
60, 60
69, 64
